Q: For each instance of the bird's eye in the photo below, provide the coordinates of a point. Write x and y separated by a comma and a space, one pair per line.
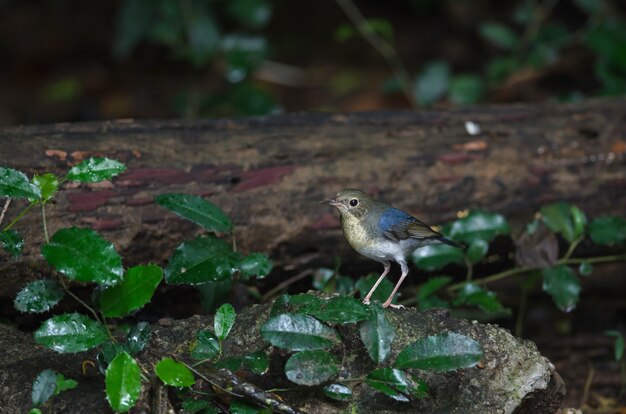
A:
354, 202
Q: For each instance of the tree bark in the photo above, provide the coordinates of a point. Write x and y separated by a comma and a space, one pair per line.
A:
269, 173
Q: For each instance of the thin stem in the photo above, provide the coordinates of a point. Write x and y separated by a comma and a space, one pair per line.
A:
518, 270
67, 290
519, 322
4, 209
587, 386
492, 278
19, 216
592, 260
470, 270
286, 284
45, 225
357, 379
383, 47
572, 247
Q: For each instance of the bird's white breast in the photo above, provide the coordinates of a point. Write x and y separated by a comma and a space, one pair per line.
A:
375, 246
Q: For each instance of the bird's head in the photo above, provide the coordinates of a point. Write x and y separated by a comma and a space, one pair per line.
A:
351, 202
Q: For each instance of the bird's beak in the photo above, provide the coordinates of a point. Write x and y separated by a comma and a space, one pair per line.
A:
331, 202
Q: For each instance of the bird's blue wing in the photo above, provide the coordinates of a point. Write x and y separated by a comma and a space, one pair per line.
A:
397, 225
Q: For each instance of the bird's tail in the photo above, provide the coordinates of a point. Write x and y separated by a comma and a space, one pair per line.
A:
451, 242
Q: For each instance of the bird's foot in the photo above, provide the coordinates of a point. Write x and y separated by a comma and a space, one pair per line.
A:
391, 305
366, 301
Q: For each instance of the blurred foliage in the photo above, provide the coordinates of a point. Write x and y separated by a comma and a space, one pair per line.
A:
201, 33
231, 38
535, 39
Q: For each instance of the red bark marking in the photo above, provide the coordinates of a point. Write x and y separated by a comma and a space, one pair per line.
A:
262, 177
139, 201
477, 145
455, 158
102, 223
61, 155
89, 201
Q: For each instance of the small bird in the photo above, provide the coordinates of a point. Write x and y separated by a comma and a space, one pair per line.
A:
383, 233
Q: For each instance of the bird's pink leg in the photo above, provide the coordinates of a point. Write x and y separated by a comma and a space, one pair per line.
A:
405, 272
380, 279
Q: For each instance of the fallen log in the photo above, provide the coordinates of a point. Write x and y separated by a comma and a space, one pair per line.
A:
269, 173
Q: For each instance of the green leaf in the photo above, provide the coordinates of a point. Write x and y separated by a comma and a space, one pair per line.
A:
585, 269
608, 230
123, 382
207, 346
477, 250
321, 277
70, 332
44, 386
135, 290
255, 264
252, 13
396, 384
232, 364
377, 335
15, 184
433, 285
561, 283
341, 309
382, 292
256, 362
580, 220
224, 320
337, 392
499, 35
243, 53
12, 242
39, 296
294, 303
589, 6
82, 254
466, 89
607, 40
191, 406
174, 373
473, 294
203, 34
133, 22
241, 407
138, 337
94, 170
442, 352
197, 210
64, 384
619, 343
35, 411
432, 83
48, 185
426, 296
436, 256
203, 259
311, 367
298, 332
479, 225
108, 351
559, 217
